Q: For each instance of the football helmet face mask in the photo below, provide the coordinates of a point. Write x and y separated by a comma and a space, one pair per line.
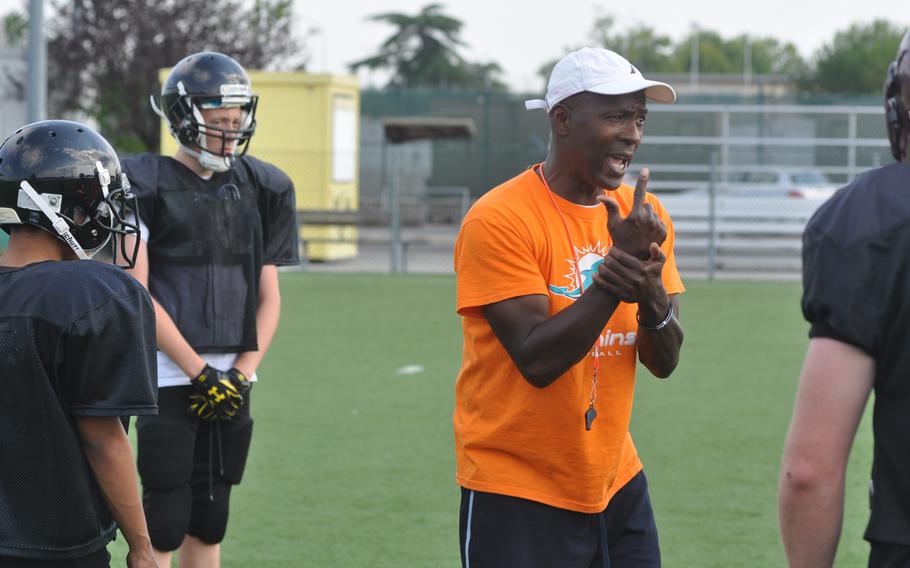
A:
64, 178
208, 80
897, 94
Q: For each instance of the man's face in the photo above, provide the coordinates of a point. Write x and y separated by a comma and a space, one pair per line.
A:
603, 133
225, 119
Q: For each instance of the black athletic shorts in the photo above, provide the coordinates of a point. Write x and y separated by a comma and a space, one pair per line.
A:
503, 532
99, 559
176, 448
888, 555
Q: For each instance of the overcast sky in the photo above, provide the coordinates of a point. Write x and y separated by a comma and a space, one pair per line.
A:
520, 36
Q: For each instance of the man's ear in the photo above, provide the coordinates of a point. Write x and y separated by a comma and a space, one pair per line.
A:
560, 120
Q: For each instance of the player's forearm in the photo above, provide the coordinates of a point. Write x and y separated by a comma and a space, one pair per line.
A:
659, 349
811, 514
110, 456
174, 345
268, 315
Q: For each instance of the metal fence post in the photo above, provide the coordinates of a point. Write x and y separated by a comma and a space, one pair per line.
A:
712, 218
724, 148
396, 252
851, 144
465, 203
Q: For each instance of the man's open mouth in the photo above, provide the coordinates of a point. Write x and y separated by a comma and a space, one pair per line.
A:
619, 162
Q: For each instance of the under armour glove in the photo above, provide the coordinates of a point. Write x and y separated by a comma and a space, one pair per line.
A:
200, 407
239, 380
215, 396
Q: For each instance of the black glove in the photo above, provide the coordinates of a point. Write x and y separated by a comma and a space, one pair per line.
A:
200, 407
214, 395
240, 381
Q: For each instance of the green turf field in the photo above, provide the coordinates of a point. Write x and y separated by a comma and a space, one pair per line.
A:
352, 464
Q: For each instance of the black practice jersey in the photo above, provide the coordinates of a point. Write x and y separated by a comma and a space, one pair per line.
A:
76, 339
856, 277
208, 240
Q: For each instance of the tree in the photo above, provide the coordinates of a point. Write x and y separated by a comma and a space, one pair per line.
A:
640, 44
716, 54
104, 56
15, 27
423, 52
772, 57
855, 61
653, 52
13, 35
649, 51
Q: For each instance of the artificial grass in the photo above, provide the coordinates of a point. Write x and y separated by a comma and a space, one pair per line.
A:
352, 463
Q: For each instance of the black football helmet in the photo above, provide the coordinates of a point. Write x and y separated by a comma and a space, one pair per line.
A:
208, 80
897, 116
65, 178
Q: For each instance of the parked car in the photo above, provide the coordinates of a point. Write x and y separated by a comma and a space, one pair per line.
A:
796, 184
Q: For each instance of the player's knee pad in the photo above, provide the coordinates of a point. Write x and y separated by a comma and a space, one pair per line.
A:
236, 437
208, 522
167, 514
165, 452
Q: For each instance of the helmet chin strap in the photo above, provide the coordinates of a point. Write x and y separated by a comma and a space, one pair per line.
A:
210, 161
206, 159
59, 223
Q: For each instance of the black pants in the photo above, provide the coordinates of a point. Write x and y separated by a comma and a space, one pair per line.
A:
887, 555
503, 532
188, 467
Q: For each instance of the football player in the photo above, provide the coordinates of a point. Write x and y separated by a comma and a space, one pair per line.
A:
77, 343
856, 298
215, 225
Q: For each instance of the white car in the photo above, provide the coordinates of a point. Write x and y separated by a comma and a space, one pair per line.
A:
796, 184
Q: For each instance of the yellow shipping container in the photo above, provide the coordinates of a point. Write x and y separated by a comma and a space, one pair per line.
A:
309, 126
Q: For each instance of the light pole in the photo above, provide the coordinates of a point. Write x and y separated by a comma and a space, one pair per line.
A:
747, 60
36, 91
314, 29
693, 63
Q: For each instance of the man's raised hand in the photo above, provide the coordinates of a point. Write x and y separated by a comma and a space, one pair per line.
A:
635, 233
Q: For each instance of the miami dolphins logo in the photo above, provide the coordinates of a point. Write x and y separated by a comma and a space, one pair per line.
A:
589, 258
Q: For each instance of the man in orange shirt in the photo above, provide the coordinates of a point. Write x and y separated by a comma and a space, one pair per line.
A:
565, 274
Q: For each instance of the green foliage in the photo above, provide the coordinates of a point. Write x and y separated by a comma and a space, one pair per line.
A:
653, 52
648, 50
104, 57
856, 60
423, 52
353, 464
716, 54
15, 28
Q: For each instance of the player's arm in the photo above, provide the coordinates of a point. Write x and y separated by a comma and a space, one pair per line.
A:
110, 456
544, 347
833, 389
268, 313
170, 340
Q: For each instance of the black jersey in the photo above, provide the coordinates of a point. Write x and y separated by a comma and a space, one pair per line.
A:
208, 240
856, 277
76, 339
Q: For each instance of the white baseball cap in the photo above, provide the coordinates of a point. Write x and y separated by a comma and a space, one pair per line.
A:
601, 71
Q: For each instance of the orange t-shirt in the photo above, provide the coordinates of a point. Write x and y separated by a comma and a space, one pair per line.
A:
513, 438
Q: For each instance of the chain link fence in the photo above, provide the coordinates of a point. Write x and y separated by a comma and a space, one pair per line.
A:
698, 150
